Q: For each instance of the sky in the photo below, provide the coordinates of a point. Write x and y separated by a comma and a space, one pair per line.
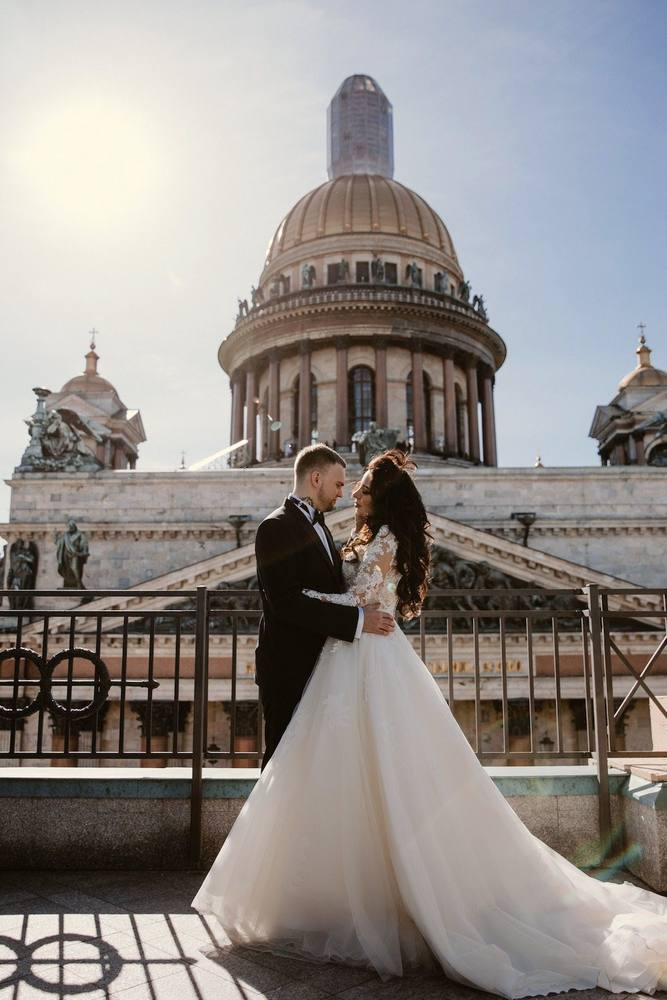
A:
151, 147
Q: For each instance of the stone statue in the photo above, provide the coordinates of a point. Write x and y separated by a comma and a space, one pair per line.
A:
374, 441
377, 270
413, 275
659, 457
464, 291
479, 307
308, 275
56, 443
243, 308
441, 282
72, 554
22, 573
344, 270
256, 296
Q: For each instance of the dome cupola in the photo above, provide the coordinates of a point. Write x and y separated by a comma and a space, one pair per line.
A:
362, 314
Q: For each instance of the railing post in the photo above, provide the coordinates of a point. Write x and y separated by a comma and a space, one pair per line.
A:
196, 793
600, 715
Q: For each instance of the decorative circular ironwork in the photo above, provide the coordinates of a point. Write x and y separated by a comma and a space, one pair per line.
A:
45, 698
102, 680
21, 652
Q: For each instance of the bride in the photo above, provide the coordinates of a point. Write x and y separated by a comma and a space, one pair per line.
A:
375, 837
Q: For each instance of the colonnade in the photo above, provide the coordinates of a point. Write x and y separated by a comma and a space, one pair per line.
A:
479, 389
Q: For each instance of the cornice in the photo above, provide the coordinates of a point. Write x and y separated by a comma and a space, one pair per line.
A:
589, 529
223, 531
442, 311
136, 532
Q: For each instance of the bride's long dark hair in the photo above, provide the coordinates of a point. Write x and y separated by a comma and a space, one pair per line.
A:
397, 503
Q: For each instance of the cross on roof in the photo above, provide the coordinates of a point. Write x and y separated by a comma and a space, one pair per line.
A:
93, 335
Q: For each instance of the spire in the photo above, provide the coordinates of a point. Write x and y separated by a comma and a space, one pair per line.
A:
643, 352
360, 135
91, 357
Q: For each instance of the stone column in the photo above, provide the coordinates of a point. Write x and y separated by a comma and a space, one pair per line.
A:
304, 396
274, 404
488, 420
342, 429
381, 409
451, 437
251, 415
639, 447
473, 404
418, 399
237, 409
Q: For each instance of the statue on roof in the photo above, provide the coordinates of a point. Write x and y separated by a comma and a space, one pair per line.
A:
308, 275
479, 307
56, 440
413, 274
374, 441
377, 270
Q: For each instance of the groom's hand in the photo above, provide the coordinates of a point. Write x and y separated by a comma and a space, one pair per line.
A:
377, 622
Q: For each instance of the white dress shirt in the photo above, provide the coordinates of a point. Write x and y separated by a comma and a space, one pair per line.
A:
309, 512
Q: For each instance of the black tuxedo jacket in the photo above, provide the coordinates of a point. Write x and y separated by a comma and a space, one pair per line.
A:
293, 627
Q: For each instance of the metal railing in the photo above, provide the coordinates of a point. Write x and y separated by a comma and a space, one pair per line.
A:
161, 659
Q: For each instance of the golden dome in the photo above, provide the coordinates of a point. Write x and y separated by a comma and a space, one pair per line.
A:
644, 376
361, 204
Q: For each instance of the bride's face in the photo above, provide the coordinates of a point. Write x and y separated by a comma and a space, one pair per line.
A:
363, 502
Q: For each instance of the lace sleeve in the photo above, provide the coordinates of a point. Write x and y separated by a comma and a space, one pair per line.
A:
347, 598
374, 581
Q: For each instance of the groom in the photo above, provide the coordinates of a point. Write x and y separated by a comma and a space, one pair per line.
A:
295, 551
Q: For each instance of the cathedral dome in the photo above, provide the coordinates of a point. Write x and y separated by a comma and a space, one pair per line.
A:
362, 204
94, 386
644, 376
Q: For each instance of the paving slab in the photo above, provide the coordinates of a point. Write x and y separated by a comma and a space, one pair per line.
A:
134, 936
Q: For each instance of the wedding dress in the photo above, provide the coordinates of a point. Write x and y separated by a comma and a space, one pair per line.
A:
375, 837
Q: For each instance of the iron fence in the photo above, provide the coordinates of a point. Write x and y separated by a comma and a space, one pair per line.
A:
160, 659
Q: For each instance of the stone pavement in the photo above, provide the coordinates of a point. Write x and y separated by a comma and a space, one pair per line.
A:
95, 935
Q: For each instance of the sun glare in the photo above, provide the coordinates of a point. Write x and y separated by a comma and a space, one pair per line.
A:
92, 166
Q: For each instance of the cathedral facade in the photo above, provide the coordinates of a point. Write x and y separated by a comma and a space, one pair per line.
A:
362, 322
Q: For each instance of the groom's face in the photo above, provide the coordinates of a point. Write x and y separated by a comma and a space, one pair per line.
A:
328, 486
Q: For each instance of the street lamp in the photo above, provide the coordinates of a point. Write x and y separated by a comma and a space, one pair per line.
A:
526, 518
237, 521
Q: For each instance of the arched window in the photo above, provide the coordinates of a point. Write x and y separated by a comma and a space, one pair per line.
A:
461, 420
409, 406
361, 398
295, 405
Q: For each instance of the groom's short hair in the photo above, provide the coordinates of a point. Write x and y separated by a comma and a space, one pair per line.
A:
315, 456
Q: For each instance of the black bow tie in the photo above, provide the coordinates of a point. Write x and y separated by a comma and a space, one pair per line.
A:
317, 517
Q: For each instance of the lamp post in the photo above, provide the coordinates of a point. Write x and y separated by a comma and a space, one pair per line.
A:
526, 518
237, 521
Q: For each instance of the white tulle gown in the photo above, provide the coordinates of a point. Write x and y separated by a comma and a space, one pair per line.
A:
375, 837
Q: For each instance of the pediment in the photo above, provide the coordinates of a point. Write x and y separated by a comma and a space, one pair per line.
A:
498, 558
603, 417
79, 404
